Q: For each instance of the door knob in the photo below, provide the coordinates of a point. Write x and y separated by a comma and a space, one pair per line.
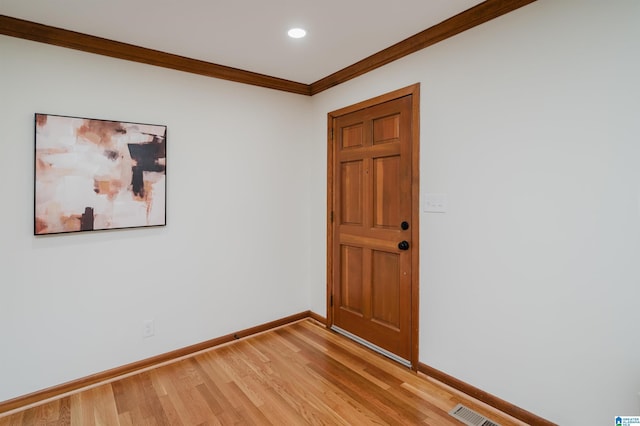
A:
403, 245
404, 226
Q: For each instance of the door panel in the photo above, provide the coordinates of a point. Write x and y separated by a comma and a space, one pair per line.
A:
385, 287
386, 197
351, 295
386, 129
352, 192
352, 136
372, 195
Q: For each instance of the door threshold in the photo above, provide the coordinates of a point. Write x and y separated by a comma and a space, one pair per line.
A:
373, 347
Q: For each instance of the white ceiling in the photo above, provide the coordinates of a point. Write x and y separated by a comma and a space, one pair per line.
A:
249, 34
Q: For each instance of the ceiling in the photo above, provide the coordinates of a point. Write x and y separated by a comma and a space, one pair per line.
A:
249, 34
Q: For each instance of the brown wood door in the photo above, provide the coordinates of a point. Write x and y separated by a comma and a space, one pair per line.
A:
372, 195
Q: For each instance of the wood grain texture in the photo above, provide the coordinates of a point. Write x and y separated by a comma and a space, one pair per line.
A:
64, 388
415, 223
372, 277
470, 18
483, 396
334, 215
297, 374
73, 40
322, 320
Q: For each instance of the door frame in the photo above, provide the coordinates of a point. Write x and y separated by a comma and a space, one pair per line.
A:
414, 92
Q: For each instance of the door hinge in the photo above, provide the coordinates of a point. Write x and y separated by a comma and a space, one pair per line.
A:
331, 217
331, 301
332, 133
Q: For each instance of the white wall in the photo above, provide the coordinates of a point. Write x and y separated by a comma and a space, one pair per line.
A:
530, 284
233, 255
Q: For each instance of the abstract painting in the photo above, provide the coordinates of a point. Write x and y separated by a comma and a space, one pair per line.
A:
98, 174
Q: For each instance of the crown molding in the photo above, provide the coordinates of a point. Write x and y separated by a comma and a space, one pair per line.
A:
463, 21
73, 40
470, 18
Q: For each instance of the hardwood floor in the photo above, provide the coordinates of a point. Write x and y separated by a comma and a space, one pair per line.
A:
297, 374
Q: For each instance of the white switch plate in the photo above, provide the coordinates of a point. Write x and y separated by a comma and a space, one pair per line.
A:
435, 203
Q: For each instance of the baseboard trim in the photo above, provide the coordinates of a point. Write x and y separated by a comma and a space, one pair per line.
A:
74, 385
105, 376
487, 398
318, 318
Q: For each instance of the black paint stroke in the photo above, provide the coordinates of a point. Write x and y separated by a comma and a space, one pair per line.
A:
86, 221
146, 157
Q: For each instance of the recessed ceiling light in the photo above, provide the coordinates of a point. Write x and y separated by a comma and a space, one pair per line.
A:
297, 33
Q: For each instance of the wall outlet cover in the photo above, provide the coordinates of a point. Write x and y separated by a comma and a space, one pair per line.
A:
148, 328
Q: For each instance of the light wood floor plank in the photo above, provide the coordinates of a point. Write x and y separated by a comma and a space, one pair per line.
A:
298, 374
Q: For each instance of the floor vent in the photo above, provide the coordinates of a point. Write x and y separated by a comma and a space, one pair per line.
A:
470, 417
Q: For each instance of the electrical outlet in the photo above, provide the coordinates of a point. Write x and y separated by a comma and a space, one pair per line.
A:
148, 328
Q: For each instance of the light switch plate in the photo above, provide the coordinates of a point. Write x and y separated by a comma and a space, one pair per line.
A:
435, 203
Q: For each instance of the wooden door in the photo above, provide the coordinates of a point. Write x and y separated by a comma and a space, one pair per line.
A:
373, 252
